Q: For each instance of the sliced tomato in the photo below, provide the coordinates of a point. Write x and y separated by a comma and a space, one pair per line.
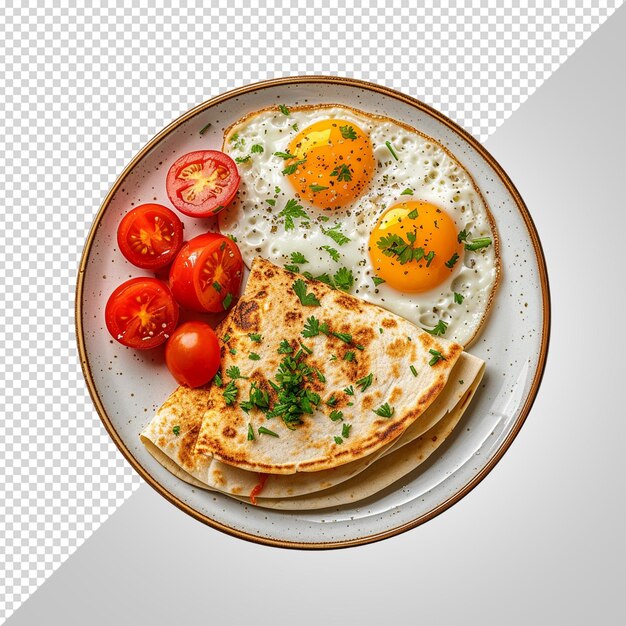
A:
192, 354
141, 313
206, 275
202, 183
150, 236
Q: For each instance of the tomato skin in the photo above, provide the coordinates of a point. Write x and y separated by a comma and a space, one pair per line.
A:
150, 236
141, 313
202, 183
201, 262
192, 354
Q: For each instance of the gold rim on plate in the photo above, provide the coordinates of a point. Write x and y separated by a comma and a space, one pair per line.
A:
543, 276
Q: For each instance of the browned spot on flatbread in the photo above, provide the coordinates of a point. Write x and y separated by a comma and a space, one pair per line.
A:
229, 432
396, 394
293, 317
398, 348
367, 403
395, 370
426, 340
246, 315
349, 303
389, 322
236, 491
218, 477
186, 450
434, 437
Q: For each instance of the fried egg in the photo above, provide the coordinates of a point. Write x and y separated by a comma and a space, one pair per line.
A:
369, 205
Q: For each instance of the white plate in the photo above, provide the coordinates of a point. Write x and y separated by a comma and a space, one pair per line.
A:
128, 386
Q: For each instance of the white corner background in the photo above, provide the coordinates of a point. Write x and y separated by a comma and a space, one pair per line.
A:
84, 85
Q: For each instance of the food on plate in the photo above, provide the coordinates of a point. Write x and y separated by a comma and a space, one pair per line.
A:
206, 274
192, 354
150, 236
202, 183
141, 313
370, 206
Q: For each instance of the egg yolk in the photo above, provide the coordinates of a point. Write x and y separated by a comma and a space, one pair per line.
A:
332, 164
414, 246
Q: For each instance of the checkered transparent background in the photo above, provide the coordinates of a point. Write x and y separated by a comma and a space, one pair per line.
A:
82, 89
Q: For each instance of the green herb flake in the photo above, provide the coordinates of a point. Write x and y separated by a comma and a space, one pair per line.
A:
230, 393
462, 236
342, 172
176, 430
217, 380
332, 401
317, 188
256, 337
429, 258
438, 330
226, 338
477, 244
377, 280
292, 211
205, 128
413, 215
338, 440
349, 390
320, 376
233, 351
458, 298
344, 279
345, 430
232, 237
407, 192
271, 201
307, 299
253, 356
334, 233
257, 148
365, 382
311, 327
347, 132
413, 371
250, 432
336, 416
285, 347
217, 286
227, 300
385, 410
298, 258
333, 252
234, 372
390, 148
345, 337
293, 268
452, 261
349, 356
295, 127
242, 159
284, 155
293, 167
283, 109
306, 348
437, 356
267, 431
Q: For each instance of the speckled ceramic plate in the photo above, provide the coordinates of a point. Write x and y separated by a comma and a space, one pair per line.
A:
128, 386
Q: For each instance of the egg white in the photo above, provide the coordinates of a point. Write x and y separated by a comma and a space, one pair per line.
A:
423, 166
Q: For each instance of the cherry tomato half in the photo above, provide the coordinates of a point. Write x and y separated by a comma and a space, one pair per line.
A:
192, 354
206, 275
141, 313
150, 236
202, 183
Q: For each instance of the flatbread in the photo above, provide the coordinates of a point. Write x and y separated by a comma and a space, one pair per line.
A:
390, 353
184, 409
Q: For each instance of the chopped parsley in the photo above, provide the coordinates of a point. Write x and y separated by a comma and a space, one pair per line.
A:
258, 398
336, 416
334, 233
234, 372
437, 356
242, 159
307, 299
407, 192
347, 338
227, 300
312, 327
285, 155
349, 356
344, 279
230, 393
413, 215
439, 329
394, 245
377, 280
458, 298
345, 430
176, 430
385, 410
462, 236
266, 431
477, 244
226, 338
231, 237
429, 258
283, 109
285, 347
349, 390
306, 348
233, 351
295, 127
390, 148
293, 268
205, 128
217, 379
217, 286
253, 356
320, 376
292, 167
413, 371
334, 253
298, 258
331, 401
271, 201
342, 172
291, 211
250, 432
316, 188
452, 262
257, 148
256, 337
347, 132
365, 382
338, 440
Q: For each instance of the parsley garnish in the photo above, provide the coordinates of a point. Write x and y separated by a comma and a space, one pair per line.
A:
233, 351
323, 278
438, 330
378, 281
336, 416
331, 401
227, 300
242, 159
462, 236
413, 215
429, 258
342, 172
271, 201
230, 393
316, 188
347, 338
338, 440
295, 127
453, 259
291, 169
283, 109
320, 376
349, 356
307, 299
305, 348
234, 372
258, 398
293, 268
345, 430
394, 245
298, 257
205, 128
250, 432
477, 244
338, 237
256, 337
334, 253
217, 379
292, 210
232, 237
458, 298
285, 155
365, 382
407, 192
390, 148
344, 279
347, 132
413, 371
217, 286
266, 431
226, 338
385, 410
312, 327
253, 356
176, 430
257, 148
437, 356
285, 347
349, 390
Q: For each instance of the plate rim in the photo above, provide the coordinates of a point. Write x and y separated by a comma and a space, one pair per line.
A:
543, 279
